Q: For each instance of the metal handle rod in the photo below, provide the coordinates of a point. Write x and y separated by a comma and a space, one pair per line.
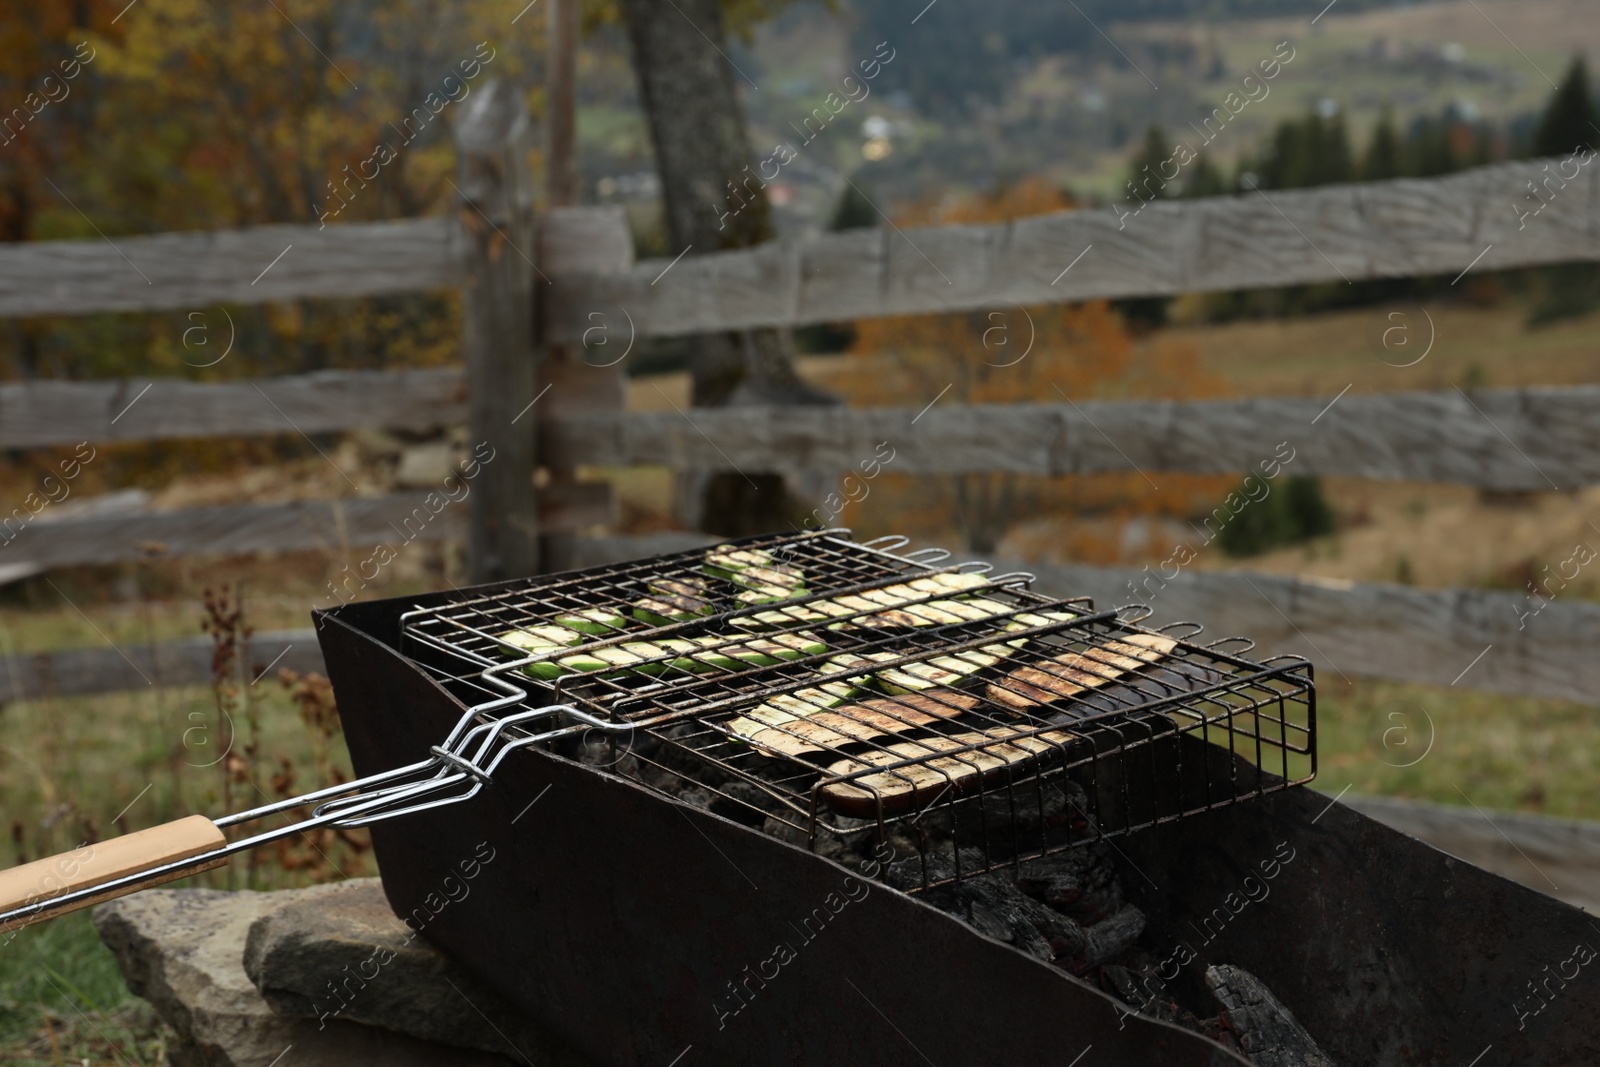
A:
460, 762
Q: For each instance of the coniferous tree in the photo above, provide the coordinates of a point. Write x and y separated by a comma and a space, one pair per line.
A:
1382, 160
1146, 180
1307, 152
854, 211
1334, 162
1571, 119
1568, 290
1205, 179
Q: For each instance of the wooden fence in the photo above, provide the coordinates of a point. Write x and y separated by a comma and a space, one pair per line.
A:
535, 284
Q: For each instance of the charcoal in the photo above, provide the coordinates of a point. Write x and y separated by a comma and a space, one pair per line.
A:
1022, 815
679, 759
1082, 882
743, 802
1023, 914
1268, 1034
1110, 938
939, 866
1145, 992
993, 905
988, 923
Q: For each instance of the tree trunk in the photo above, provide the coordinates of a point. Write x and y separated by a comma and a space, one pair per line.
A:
713, 201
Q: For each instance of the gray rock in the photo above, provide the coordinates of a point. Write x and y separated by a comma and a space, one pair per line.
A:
181, 950
339, 952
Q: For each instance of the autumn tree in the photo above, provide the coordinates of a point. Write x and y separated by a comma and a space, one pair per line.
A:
713, 200
50, 84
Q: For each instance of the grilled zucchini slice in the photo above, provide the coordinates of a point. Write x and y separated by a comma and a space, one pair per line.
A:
941, 672
720, 653
725, 561
533, 638
600, 621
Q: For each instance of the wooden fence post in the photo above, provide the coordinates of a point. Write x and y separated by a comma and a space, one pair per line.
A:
496, 214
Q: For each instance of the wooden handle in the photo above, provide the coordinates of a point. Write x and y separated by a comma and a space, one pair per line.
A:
105, 861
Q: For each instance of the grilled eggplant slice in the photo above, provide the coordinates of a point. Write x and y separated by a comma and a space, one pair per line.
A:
930, 613
1064, 676
790, 707
999, 750
865, 720
818, 611
664, 610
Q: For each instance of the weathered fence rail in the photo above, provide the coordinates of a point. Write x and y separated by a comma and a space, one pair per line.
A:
351, 524
53, 412
1471, 638
1453, 437
250, 266
1335, 233
579, 264
184, 661
1255, 240
1496, 439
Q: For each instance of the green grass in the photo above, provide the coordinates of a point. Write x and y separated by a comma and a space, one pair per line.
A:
67, 769
1454, 746
62, 1001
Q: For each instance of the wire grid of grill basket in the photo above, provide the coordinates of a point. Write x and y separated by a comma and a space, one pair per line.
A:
786, 710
